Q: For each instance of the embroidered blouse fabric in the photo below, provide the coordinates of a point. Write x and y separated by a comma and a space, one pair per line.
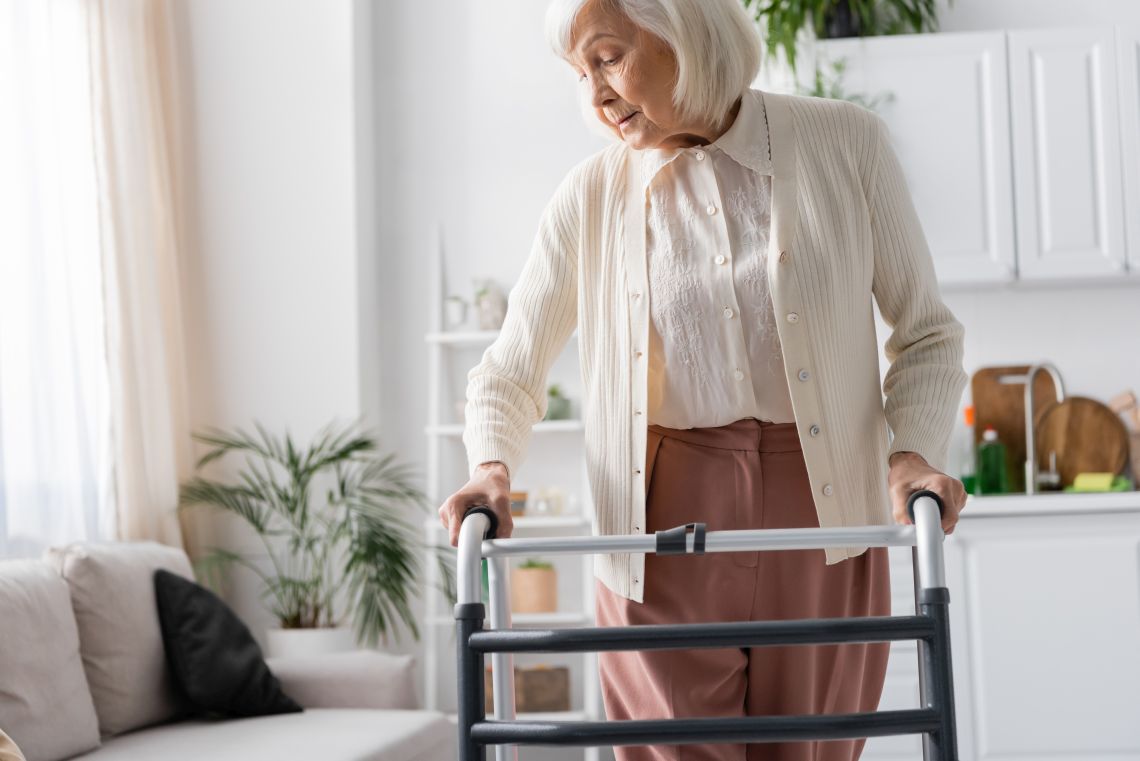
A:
715, 352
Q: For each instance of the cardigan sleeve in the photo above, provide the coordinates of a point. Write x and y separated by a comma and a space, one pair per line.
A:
924, 383
506, 390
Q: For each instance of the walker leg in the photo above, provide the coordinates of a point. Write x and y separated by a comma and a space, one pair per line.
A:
468, 619
939, 675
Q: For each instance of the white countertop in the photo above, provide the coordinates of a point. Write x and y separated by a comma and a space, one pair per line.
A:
1049, 503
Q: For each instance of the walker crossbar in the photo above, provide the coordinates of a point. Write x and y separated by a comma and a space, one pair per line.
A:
806, 631
930, 627
735, 729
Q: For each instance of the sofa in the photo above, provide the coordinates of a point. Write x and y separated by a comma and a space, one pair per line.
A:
83, 674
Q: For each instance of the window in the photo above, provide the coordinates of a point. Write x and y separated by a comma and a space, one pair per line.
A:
55, 471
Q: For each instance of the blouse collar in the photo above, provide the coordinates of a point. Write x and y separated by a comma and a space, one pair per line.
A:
746, 141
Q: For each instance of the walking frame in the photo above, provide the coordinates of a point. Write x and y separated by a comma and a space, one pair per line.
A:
934, 719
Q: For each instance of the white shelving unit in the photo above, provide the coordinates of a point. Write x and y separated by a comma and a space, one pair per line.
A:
444, 476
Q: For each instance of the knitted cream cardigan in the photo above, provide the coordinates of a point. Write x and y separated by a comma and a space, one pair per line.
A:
843, 230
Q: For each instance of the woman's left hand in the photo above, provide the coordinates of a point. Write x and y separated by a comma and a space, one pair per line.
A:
910, 472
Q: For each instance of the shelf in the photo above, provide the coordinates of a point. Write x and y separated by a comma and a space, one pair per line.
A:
462, 337
539, 716
526, 619
542, 426
532, 521
466, 337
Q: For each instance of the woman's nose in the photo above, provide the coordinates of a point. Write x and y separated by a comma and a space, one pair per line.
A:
600, 93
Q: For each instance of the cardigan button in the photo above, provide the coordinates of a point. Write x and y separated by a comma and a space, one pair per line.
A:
637, 470
793, 317
804, 374
827, 490
783, 256
814, 430
637, 294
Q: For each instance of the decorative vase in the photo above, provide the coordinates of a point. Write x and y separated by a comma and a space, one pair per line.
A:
490, 304
534, 590
456, 309
281, 642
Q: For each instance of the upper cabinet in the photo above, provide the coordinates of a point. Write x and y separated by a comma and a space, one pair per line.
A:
1128, 56
949, 122
1064, 112
1021, 148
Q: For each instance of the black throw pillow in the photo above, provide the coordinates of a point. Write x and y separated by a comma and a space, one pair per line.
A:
215, 660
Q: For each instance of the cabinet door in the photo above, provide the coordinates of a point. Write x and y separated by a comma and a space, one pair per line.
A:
1128, 54
1066, 153
1045, 636
949, 122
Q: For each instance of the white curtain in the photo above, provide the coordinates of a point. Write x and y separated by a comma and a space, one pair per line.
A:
94, 435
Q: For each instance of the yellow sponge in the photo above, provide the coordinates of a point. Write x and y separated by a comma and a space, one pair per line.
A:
1093, 481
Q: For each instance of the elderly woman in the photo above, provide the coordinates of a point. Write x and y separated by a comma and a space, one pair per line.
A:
719, 260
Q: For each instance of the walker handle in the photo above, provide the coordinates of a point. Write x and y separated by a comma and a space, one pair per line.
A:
924, 493
486, 510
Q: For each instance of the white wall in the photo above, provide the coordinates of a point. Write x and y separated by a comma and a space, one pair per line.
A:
271, 238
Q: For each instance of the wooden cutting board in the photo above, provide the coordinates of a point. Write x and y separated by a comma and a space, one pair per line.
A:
1087, 436
1003, 406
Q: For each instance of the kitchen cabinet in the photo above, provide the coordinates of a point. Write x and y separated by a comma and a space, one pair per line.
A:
1020, 147
1128, 56
949, 122
1064, 116
1045, 630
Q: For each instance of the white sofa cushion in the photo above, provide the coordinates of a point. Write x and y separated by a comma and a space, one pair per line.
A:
352, 679
44, 701
324, 734
112, 594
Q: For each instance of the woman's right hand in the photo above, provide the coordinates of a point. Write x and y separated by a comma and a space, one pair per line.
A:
488, 486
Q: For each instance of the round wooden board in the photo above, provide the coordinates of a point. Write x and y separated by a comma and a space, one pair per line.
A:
1087, 436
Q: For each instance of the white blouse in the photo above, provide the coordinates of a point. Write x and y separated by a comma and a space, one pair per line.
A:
714, 348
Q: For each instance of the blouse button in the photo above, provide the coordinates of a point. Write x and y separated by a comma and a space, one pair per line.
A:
814, 430
793, 317
711, 209
720, 259
637, 470
783, 256
700, 156
739, 375
804, 375
637, 354
827, 489
637, 295
728, 313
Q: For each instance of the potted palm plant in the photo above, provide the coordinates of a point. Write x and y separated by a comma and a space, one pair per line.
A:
337, 548
784, 19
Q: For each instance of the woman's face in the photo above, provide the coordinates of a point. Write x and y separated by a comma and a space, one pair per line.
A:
630, 74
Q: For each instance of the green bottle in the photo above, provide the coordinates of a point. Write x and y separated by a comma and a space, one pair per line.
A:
993, 476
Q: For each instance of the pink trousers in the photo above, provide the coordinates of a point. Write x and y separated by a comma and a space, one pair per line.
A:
747, 474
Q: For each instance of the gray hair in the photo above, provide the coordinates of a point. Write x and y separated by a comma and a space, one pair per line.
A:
717, 46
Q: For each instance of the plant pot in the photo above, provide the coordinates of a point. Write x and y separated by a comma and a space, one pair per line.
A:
534, 590
281, 642
841, 21
557, 408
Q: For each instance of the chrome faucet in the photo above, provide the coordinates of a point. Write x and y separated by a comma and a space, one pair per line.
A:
1030, 445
